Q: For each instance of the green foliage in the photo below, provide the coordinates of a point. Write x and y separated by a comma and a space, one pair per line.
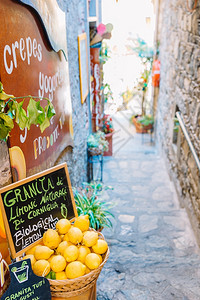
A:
176, 124
51, 275
97, 141
104, 53
143, 80
141, 48
12, 110
107, 92
145, 120
88, 202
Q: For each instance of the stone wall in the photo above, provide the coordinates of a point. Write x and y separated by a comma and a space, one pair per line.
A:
180, 91
76, 159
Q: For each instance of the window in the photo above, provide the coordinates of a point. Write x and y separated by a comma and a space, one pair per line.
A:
175, 130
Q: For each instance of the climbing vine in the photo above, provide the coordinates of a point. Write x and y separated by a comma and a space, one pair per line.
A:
11, 110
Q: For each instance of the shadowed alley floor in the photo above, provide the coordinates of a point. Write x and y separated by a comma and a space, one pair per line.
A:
153, 252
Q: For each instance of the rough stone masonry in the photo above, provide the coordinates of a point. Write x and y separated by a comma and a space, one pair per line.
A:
179, 37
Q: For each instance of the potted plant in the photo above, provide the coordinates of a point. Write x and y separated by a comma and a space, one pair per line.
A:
143, 121
89, 202
97, 143
107, 128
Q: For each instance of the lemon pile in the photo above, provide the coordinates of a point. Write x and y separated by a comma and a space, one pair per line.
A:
69, 251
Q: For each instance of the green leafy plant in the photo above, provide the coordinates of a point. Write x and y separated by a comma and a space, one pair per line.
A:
104, 53
176, 124
139, 47
107, 92
145, 120
89, 202
96, 142
12, 110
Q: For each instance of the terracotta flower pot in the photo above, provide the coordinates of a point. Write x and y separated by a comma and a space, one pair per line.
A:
109, 137
140, 128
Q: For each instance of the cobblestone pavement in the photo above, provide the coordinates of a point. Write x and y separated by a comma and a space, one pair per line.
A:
153, 252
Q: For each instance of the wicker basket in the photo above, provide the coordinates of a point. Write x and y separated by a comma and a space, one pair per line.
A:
72, 287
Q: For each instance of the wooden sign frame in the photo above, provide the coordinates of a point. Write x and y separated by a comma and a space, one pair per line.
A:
20, 184
83, 66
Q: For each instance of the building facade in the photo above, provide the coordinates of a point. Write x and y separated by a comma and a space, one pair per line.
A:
76, 23
179, 96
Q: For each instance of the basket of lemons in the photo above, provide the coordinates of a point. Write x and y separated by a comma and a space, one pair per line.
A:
71, 257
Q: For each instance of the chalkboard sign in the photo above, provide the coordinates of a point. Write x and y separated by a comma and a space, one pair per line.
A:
25, 284
83, 65
32, 205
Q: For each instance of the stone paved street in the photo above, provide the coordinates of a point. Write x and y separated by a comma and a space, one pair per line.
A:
153, 252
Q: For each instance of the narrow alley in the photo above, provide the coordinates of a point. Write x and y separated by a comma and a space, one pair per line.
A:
153, 252
100, 131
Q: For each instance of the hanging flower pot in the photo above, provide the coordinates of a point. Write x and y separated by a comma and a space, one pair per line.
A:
109, 139
97, 143
108, 129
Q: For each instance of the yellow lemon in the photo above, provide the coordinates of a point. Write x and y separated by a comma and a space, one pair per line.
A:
90, 238
43, 252
87, 270
66, 237
101, 259
50, 258
32, 258
75, 235
62, 236
51, 239
58, 263
41, 267
62, 246
71, 253
61, 275
63, 226
32, 250
83, 251
100, 247
82, 222
92, 261
75, 269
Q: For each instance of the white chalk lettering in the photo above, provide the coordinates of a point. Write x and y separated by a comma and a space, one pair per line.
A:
48, 84
27, 48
